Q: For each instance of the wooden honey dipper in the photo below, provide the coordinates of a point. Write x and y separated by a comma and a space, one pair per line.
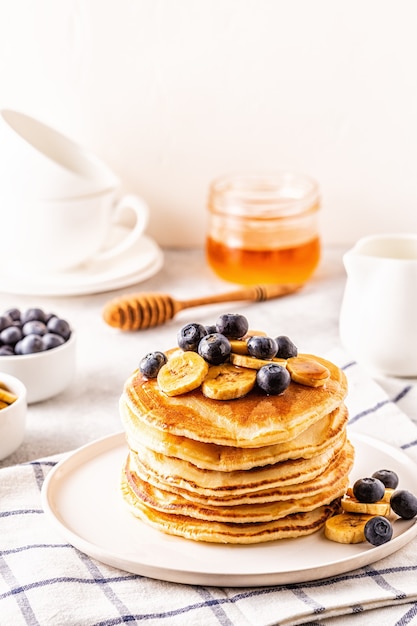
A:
138, 311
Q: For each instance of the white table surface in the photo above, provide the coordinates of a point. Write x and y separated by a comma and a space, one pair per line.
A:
88, 409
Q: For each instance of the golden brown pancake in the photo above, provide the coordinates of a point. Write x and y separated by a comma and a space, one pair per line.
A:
295, 525
167, 502
320, 436
331, 474
180, 473
249, 422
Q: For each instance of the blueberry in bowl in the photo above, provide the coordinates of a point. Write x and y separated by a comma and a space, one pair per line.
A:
38, 348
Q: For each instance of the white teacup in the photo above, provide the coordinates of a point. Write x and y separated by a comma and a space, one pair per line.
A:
58, 235
58, 202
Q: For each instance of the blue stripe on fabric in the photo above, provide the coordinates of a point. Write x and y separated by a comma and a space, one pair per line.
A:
310, 602
45, 463
357, 575
163, 615
407, 617
395, 400
34, 546
103, 584
381, 582
410, 444
21, 600
402, 393
39, 474
21, 512
215, 607
369, 411
64, 579
379, 405
348, 365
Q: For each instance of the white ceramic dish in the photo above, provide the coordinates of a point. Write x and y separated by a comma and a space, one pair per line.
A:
44, 374
137, 265
12, 417
80, 495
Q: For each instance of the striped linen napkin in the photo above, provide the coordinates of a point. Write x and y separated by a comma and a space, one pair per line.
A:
45, 581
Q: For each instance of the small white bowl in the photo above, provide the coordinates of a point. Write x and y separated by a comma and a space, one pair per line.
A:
12, 417
45, 374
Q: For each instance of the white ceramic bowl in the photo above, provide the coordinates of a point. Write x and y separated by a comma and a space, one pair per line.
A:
12, 417
45, 374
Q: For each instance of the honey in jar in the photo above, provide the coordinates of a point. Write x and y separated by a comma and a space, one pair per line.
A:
263, 228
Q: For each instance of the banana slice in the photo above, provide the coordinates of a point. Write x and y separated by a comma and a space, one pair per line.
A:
7, 396
387, 495
252, 362
239, 346
307, 371
227, 382
346, 527
182, 372
254, 333
351, 505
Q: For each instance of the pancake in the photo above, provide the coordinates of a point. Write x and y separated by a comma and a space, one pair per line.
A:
250, 422
320, 436
177, 472
291, 526
337, 470
167, 502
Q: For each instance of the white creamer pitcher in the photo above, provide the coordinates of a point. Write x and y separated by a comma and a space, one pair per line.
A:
378, 317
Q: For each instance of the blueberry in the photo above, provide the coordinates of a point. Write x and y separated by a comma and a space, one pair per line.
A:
59, 326
13, 313
273, 379
49, 316
368, 490
262, 347
29, 345
33, 314
5, 321
286, 348
378, 530
11, 335
214, 348
6, 350
404, 504
232, 325
190, 336
211, 328
152, 363
52, 340
34, 327
388, 477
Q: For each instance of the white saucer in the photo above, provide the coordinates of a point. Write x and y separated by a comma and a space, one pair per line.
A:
134, 266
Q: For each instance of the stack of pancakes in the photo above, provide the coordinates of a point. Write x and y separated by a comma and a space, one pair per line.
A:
248, 470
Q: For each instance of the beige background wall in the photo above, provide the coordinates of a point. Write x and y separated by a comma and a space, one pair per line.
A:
172, 93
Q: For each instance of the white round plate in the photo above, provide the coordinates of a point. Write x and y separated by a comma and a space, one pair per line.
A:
134, 266
81, 496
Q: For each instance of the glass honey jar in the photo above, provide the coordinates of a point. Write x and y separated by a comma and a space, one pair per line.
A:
263, 228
